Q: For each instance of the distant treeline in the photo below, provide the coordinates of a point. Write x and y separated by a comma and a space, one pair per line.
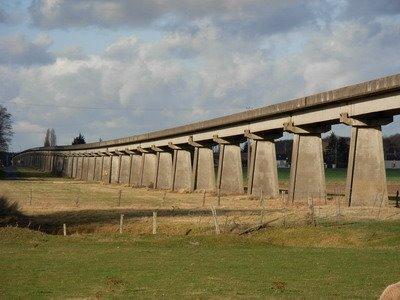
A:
336, 149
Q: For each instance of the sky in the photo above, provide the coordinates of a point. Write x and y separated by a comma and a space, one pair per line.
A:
111, 68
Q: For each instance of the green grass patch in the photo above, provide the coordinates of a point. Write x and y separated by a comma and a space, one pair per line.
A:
339, 175
261, 265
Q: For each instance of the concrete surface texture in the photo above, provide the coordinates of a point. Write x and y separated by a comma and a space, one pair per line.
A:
366, 176
307, 174
125, 169
182, 170
99, 168
90, 172
115, 168
106, 170
79, 162
163, 178
148, 170
230, 172
136, 173
263, 171
203, 169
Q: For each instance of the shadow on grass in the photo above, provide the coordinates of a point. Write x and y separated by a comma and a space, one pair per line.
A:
10, 173
10, 215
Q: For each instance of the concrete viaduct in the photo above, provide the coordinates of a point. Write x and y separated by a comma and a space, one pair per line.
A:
182, 157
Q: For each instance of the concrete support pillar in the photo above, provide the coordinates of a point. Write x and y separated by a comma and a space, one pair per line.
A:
91, 166
181, 169
262, 167
85, 167
79, 164
230, 171
125, 169
98, 167
366, 175
106, 170
203, 173
148, 169
163, 175
73, 168
135, 179
307, 172
116, 160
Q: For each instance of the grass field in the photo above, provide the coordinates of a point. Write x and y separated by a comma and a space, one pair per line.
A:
339, 175
39, 265
350, 254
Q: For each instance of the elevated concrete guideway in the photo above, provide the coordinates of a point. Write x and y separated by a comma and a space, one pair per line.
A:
362, 106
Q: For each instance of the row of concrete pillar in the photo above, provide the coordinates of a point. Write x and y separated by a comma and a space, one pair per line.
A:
191, 166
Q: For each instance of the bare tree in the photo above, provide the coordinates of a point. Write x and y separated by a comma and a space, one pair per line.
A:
6, 131
47, 138
53, 138
50, 140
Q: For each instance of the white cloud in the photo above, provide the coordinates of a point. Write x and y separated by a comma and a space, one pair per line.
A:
18, 50
27, 127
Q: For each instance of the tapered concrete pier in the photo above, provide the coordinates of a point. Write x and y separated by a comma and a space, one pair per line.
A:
181, 169
148, 170
203, 173
307, 172
230, 171
163, 176
91, 166
106, 170
263, 171
136, 170
99, 167
366, 175
125, 169
116, 160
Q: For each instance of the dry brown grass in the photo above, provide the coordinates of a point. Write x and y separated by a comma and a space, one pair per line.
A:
94, 207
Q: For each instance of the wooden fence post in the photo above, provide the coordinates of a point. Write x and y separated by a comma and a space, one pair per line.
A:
121, 222
216, 225
154, 222
119, 197
65, 229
